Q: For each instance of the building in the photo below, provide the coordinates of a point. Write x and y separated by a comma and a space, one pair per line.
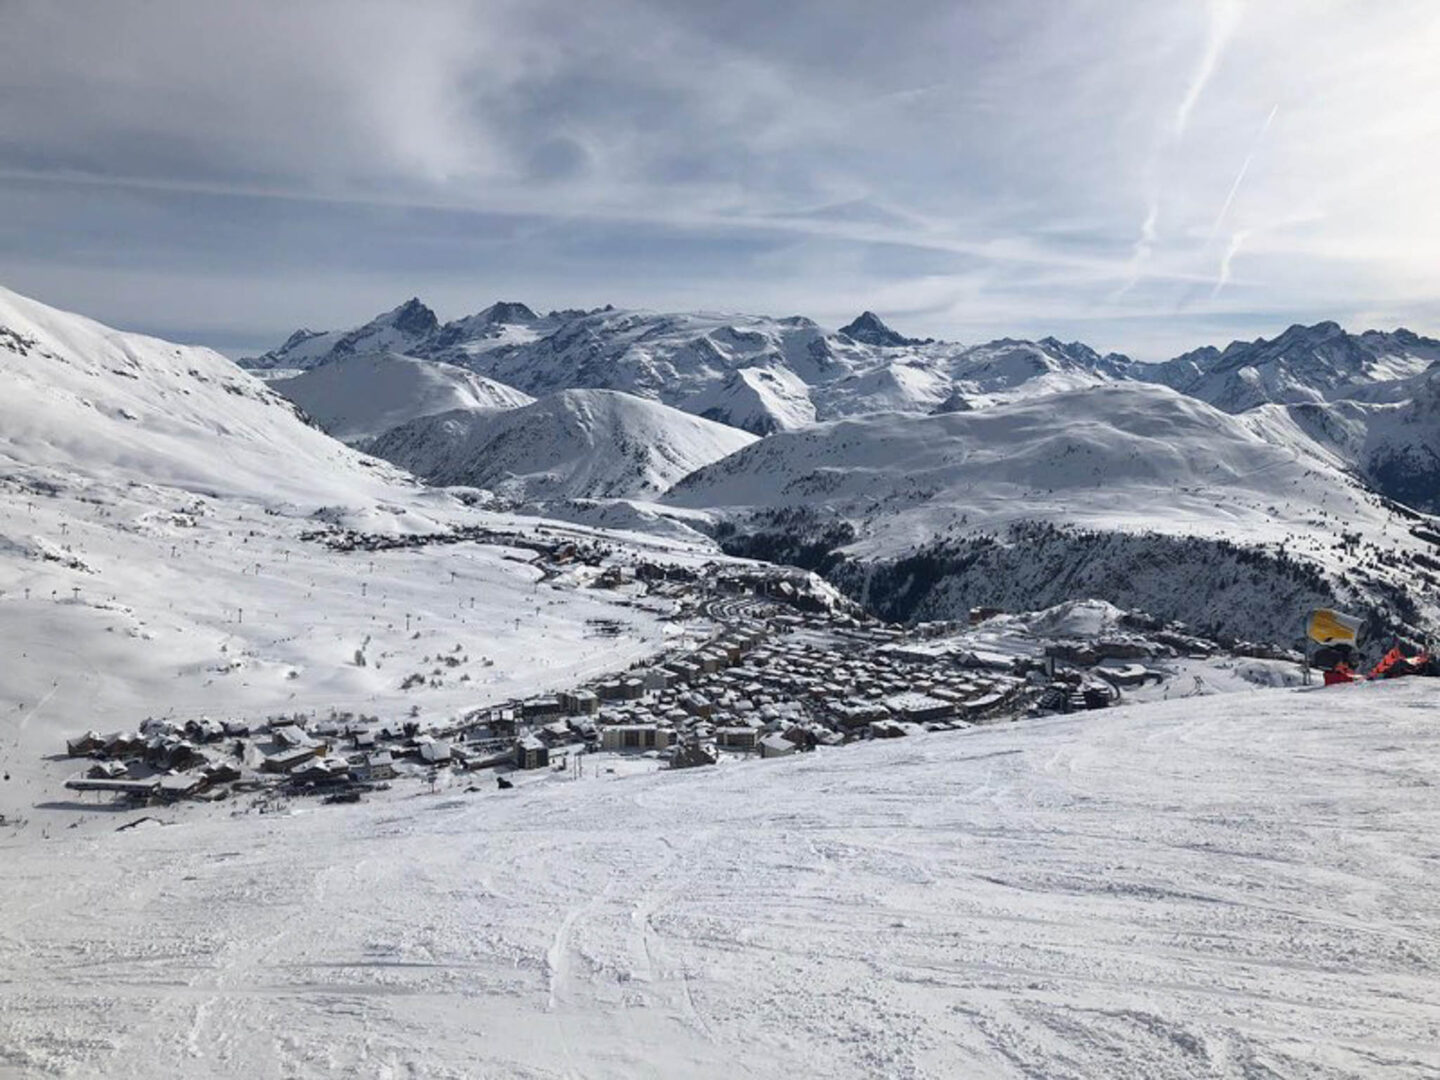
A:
531, 753
580, 702
919, 708
546, 708
380, 765
635, 737
775, 745
285, 761
737, 738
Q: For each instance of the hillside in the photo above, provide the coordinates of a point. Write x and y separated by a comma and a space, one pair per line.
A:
393, 331
1233, 886
573, 444
1098, 457
1387, 433
1304, 364
81, 399
1139, 480
163, 518
759, 400
359, 397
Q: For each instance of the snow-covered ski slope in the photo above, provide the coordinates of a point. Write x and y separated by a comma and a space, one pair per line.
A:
1236, 886
1124, 456
81, 398
359, 397
154, 506
572, 444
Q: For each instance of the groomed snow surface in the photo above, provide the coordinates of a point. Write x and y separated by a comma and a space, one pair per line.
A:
1241, 885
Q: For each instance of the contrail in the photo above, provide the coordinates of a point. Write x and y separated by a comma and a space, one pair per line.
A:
1224, 277
1244, 168
1140, 251
1224, 16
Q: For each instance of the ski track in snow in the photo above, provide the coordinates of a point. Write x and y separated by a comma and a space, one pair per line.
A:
1228, 886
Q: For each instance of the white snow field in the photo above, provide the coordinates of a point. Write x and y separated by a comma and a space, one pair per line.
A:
1240, 885
571, 444
356, 398
154, 504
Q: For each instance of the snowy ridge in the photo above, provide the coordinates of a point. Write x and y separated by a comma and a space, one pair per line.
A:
359, 397
1304, 364
395, 331
759, 373
759, 400
81, 399
575, 444
1107, 492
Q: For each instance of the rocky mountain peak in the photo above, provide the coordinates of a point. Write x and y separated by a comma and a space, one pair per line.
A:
869, 329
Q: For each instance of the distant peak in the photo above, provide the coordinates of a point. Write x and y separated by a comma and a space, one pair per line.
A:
412, 317
299, 336
509, 312
870, 329
1324, 329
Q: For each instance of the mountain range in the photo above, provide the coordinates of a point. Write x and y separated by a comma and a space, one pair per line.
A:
875, 448
777, 438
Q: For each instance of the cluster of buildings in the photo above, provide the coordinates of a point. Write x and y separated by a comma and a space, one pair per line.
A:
767, 686
787, 671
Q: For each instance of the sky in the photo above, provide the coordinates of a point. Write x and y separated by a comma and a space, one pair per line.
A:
1144, 177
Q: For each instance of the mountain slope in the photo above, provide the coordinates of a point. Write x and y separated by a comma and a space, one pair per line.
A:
1305, 363
359, 397
1099, 456
1231, 887
82, 399
573, 444
164, 519
757, 399
394, 331
1128, 492
1388, 433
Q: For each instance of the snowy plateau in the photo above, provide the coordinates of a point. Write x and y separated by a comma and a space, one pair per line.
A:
615, 693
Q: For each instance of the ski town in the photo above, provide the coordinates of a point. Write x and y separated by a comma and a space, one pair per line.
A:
783, 665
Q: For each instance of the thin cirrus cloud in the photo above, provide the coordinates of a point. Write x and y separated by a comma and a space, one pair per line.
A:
226, 172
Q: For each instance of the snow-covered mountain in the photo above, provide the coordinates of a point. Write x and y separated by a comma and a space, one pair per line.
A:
162, 524
1387, 433
359, 397
869, 329
757, 399
397, 330
81, 399
574, 444
171, 547
755, 372
1103, 456
669, 357
1125, 459
1305, 363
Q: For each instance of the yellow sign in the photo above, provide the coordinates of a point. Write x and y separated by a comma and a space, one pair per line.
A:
1333, 627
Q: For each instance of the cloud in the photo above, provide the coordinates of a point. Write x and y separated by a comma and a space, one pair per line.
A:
987, 159
1224, 17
